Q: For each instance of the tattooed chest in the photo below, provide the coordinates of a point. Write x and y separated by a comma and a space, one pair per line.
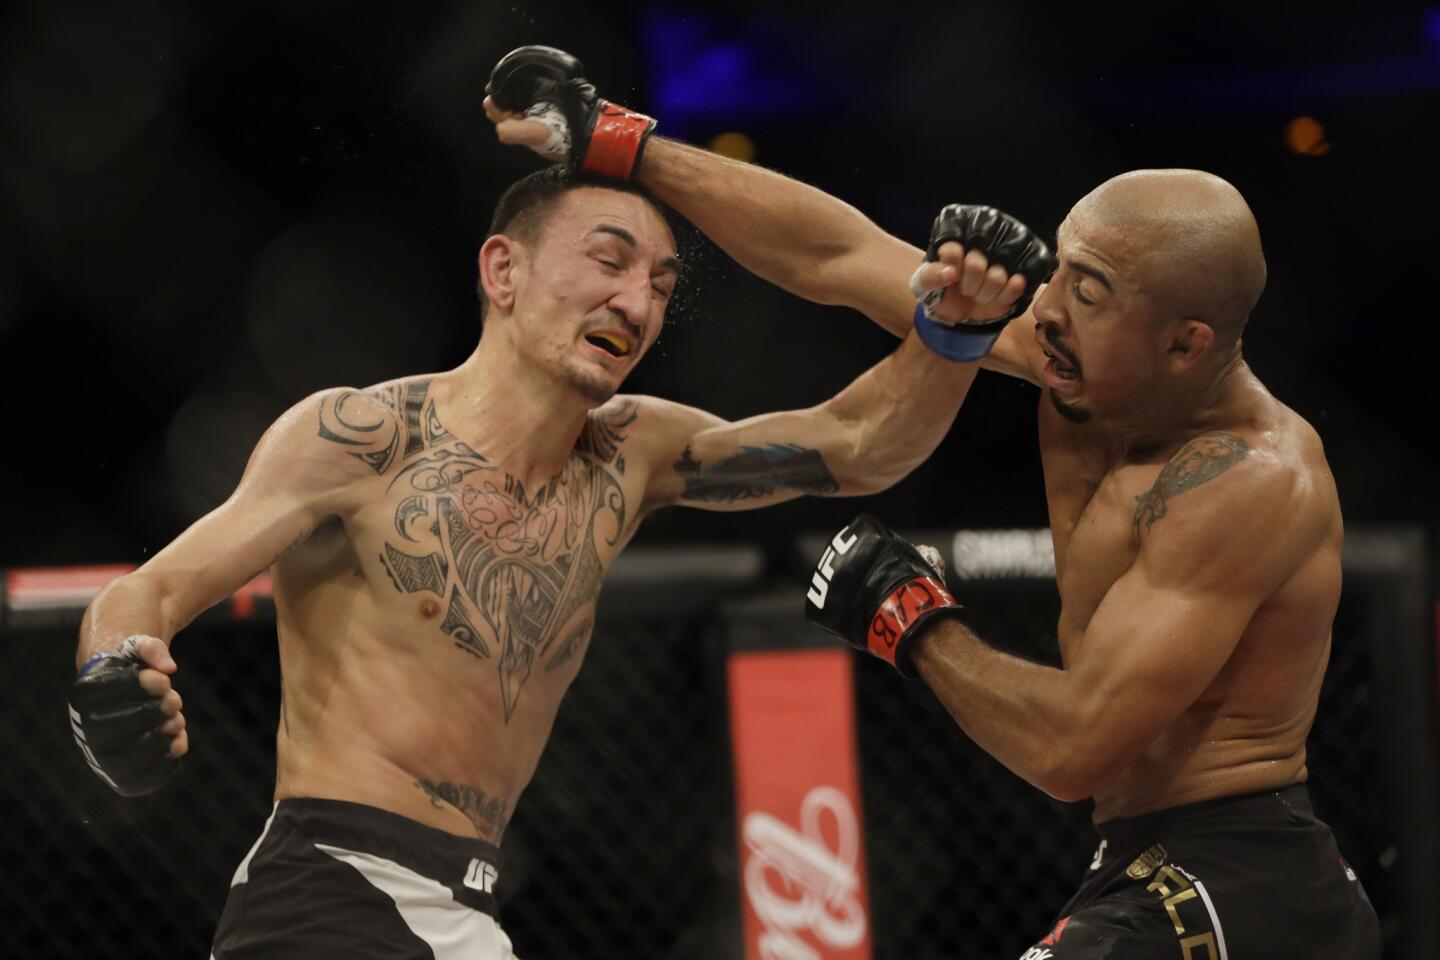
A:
511, 574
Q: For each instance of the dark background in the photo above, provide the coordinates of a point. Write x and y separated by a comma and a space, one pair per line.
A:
209, 210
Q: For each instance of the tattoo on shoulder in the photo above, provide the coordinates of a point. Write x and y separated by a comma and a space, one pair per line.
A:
755, 472
1198, 462
604, 434
378, 424
487, 813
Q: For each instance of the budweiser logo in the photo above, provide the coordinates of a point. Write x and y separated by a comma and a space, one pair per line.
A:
797, 883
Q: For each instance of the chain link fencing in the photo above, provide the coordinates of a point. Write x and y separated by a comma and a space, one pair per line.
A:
625, 843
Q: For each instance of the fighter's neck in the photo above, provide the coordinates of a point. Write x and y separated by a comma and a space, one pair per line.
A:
1230, 400
519, 418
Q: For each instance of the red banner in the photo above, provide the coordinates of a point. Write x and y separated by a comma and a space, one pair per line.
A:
72, 588
797, 787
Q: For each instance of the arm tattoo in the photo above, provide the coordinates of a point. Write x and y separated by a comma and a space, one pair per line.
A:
515, 568
1199, 461
487, 813
755, 472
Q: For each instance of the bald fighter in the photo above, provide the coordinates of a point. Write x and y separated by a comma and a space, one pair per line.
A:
1197, 540
437, 545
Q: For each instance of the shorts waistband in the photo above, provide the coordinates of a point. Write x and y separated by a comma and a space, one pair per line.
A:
465, 864
1126, 833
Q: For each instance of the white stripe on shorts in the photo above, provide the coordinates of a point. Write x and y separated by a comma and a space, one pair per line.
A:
1209, 908
1214, 919
453, 930
242, 872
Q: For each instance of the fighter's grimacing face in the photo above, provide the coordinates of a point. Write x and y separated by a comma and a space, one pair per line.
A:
598, 278
1095, 323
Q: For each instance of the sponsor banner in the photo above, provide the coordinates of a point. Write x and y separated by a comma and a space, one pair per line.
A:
797, 789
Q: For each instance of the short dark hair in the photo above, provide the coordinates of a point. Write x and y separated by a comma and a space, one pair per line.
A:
523, 206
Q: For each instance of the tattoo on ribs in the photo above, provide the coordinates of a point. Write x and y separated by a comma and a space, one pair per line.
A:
755, 472
1199, 461
513, 567
487, 813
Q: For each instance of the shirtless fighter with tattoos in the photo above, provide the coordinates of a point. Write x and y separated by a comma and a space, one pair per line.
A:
438, 544
1197, 543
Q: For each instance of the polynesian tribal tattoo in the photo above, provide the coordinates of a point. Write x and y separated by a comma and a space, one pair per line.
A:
487, 813
1199, 461
755, 472
512, 566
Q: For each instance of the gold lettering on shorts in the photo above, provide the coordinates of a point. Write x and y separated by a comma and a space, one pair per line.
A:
1167, 873
1145, 864
1170, 904
1192, 944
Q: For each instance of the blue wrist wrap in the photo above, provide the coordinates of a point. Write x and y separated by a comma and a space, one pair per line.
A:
957, 343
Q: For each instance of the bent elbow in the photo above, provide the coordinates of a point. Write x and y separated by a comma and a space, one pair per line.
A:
1079, 770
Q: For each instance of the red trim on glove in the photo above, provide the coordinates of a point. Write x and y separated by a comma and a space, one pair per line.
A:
899, 611
616, 141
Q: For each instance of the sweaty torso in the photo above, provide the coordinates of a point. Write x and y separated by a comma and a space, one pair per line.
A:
428, 635
1247, 731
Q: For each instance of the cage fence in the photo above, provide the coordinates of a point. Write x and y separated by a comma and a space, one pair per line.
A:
625, 843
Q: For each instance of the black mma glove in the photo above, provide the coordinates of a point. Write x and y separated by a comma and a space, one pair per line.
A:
114, 721
873, 590
591, 134
1006, 242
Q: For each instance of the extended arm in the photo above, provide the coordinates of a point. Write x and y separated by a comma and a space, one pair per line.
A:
289, 485
803, 240
124, 712
862, 440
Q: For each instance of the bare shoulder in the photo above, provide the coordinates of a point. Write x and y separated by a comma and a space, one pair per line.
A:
650, 426
607, 436
376, 426
1243, 505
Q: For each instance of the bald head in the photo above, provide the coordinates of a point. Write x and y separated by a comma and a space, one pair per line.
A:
1195, 242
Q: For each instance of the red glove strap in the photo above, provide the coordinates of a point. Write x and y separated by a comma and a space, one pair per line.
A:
899, 611
615, 142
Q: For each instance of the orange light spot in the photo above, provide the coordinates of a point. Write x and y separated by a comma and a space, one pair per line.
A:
736, 146
1305, 136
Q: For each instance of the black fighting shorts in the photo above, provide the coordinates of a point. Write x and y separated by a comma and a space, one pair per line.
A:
1255, 877
330, 879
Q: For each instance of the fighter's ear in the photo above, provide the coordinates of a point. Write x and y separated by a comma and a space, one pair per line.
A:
500, 270
1190, 342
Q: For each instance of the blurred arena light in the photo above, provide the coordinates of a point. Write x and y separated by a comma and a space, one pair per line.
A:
734, 145
1306, 136
703, 72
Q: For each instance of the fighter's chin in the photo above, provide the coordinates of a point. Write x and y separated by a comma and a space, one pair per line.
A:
594, 385
1074, 412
